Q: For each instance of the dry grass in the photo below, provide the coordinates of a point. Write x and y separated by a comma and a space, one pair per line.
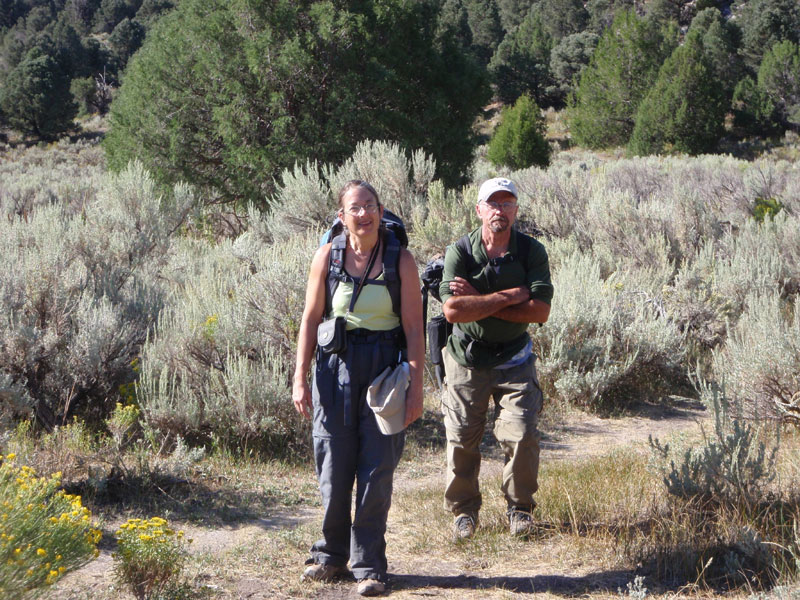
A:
253, 522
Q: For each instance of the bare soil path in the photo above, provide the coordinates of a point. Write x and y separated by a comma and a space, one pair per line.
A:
415, 575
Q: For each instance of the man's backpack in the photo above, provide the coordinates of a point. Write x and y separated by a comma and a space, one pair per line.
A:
438, 328
394, 237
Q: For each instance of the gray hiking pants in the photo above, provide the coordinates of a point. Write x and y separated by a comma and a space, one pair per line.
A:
348, 448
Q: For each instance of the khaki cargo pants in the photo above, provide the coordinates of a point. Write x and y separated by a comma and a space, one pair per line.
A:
518, 401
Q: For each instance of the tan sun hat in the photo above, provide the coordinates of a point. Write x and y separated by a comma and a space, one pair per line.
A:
386, 396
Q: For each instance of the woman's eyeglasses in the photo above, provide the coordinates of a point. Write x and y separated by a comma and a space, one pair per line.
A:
355, 211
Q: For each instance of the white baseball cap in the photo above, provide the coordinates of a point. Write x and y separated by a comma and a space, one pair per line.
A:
498, 184
386, 396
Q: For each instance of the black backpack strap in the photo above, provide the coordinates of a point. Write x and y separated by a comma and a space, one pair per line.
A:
523, 248
465, 245
335, 270
391, 262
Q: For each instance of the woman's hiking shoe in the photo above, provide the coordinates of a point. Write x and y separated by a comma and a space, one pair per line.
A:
520, 521
464, 526
371, 587
322, 572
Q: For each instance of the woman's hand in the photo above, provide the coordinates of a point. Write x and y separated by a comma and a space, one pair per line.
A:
301, 396
413, 404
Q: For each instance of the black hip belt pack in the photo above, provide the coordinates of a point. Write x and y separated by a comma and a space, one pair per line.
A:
492, 349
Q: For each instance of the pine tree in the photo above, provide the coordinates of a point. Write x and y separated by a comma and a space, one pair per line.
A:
765, 23
620, 73
487, 31
685, 109
779, 82
562, 17
519, 140
521, 64
513, 12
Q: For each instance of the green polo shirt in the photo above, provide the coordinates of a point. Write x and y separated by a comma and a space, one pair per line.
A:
504, 338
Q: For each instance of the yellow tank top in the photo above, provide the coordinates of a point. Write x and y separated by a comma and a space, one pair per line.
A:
373, 309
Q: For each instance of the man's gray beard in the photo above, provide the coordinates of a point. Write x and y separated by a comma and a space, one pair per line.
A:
498, 226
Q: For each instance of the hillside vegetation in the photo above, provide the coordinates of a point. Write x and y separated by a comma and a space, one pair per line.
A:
229, 94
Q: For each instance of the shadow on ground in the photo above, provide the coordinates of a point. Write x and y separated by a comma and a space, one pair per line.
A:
604, 582
188, 501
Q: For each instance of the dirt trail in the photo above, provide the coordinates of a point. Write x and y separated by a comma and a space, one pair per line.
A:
426, 576
592, 436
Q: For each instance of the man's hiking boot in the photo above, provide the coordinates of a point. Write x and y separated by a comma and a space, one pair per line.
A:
520, 521
464, 526
371, 587
322, 572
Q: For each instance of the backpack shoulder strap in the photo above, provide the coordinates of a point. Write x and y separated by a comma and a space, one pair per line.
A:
465, 245
391, 262
523, 248
335, 270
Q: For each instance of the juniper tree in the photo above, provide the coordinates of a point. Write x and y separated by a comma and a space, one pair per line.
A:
779, 82
603, 12
764, 23
752, 108
621, 71
568, 59
685, 109
519, 140
487, 31
562, 17
228, 94
721, 40
36, 97
513, 12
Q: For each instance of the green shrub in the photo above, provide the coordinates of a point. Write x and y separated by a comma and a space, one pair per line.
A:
519, 140
79, 293
44, 532
733, 467
600, 348
760, 363
150, 557
215, 365
766, 208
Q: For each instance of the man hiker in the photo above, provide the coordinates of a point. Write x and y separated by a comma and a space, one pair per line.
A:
496, 281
